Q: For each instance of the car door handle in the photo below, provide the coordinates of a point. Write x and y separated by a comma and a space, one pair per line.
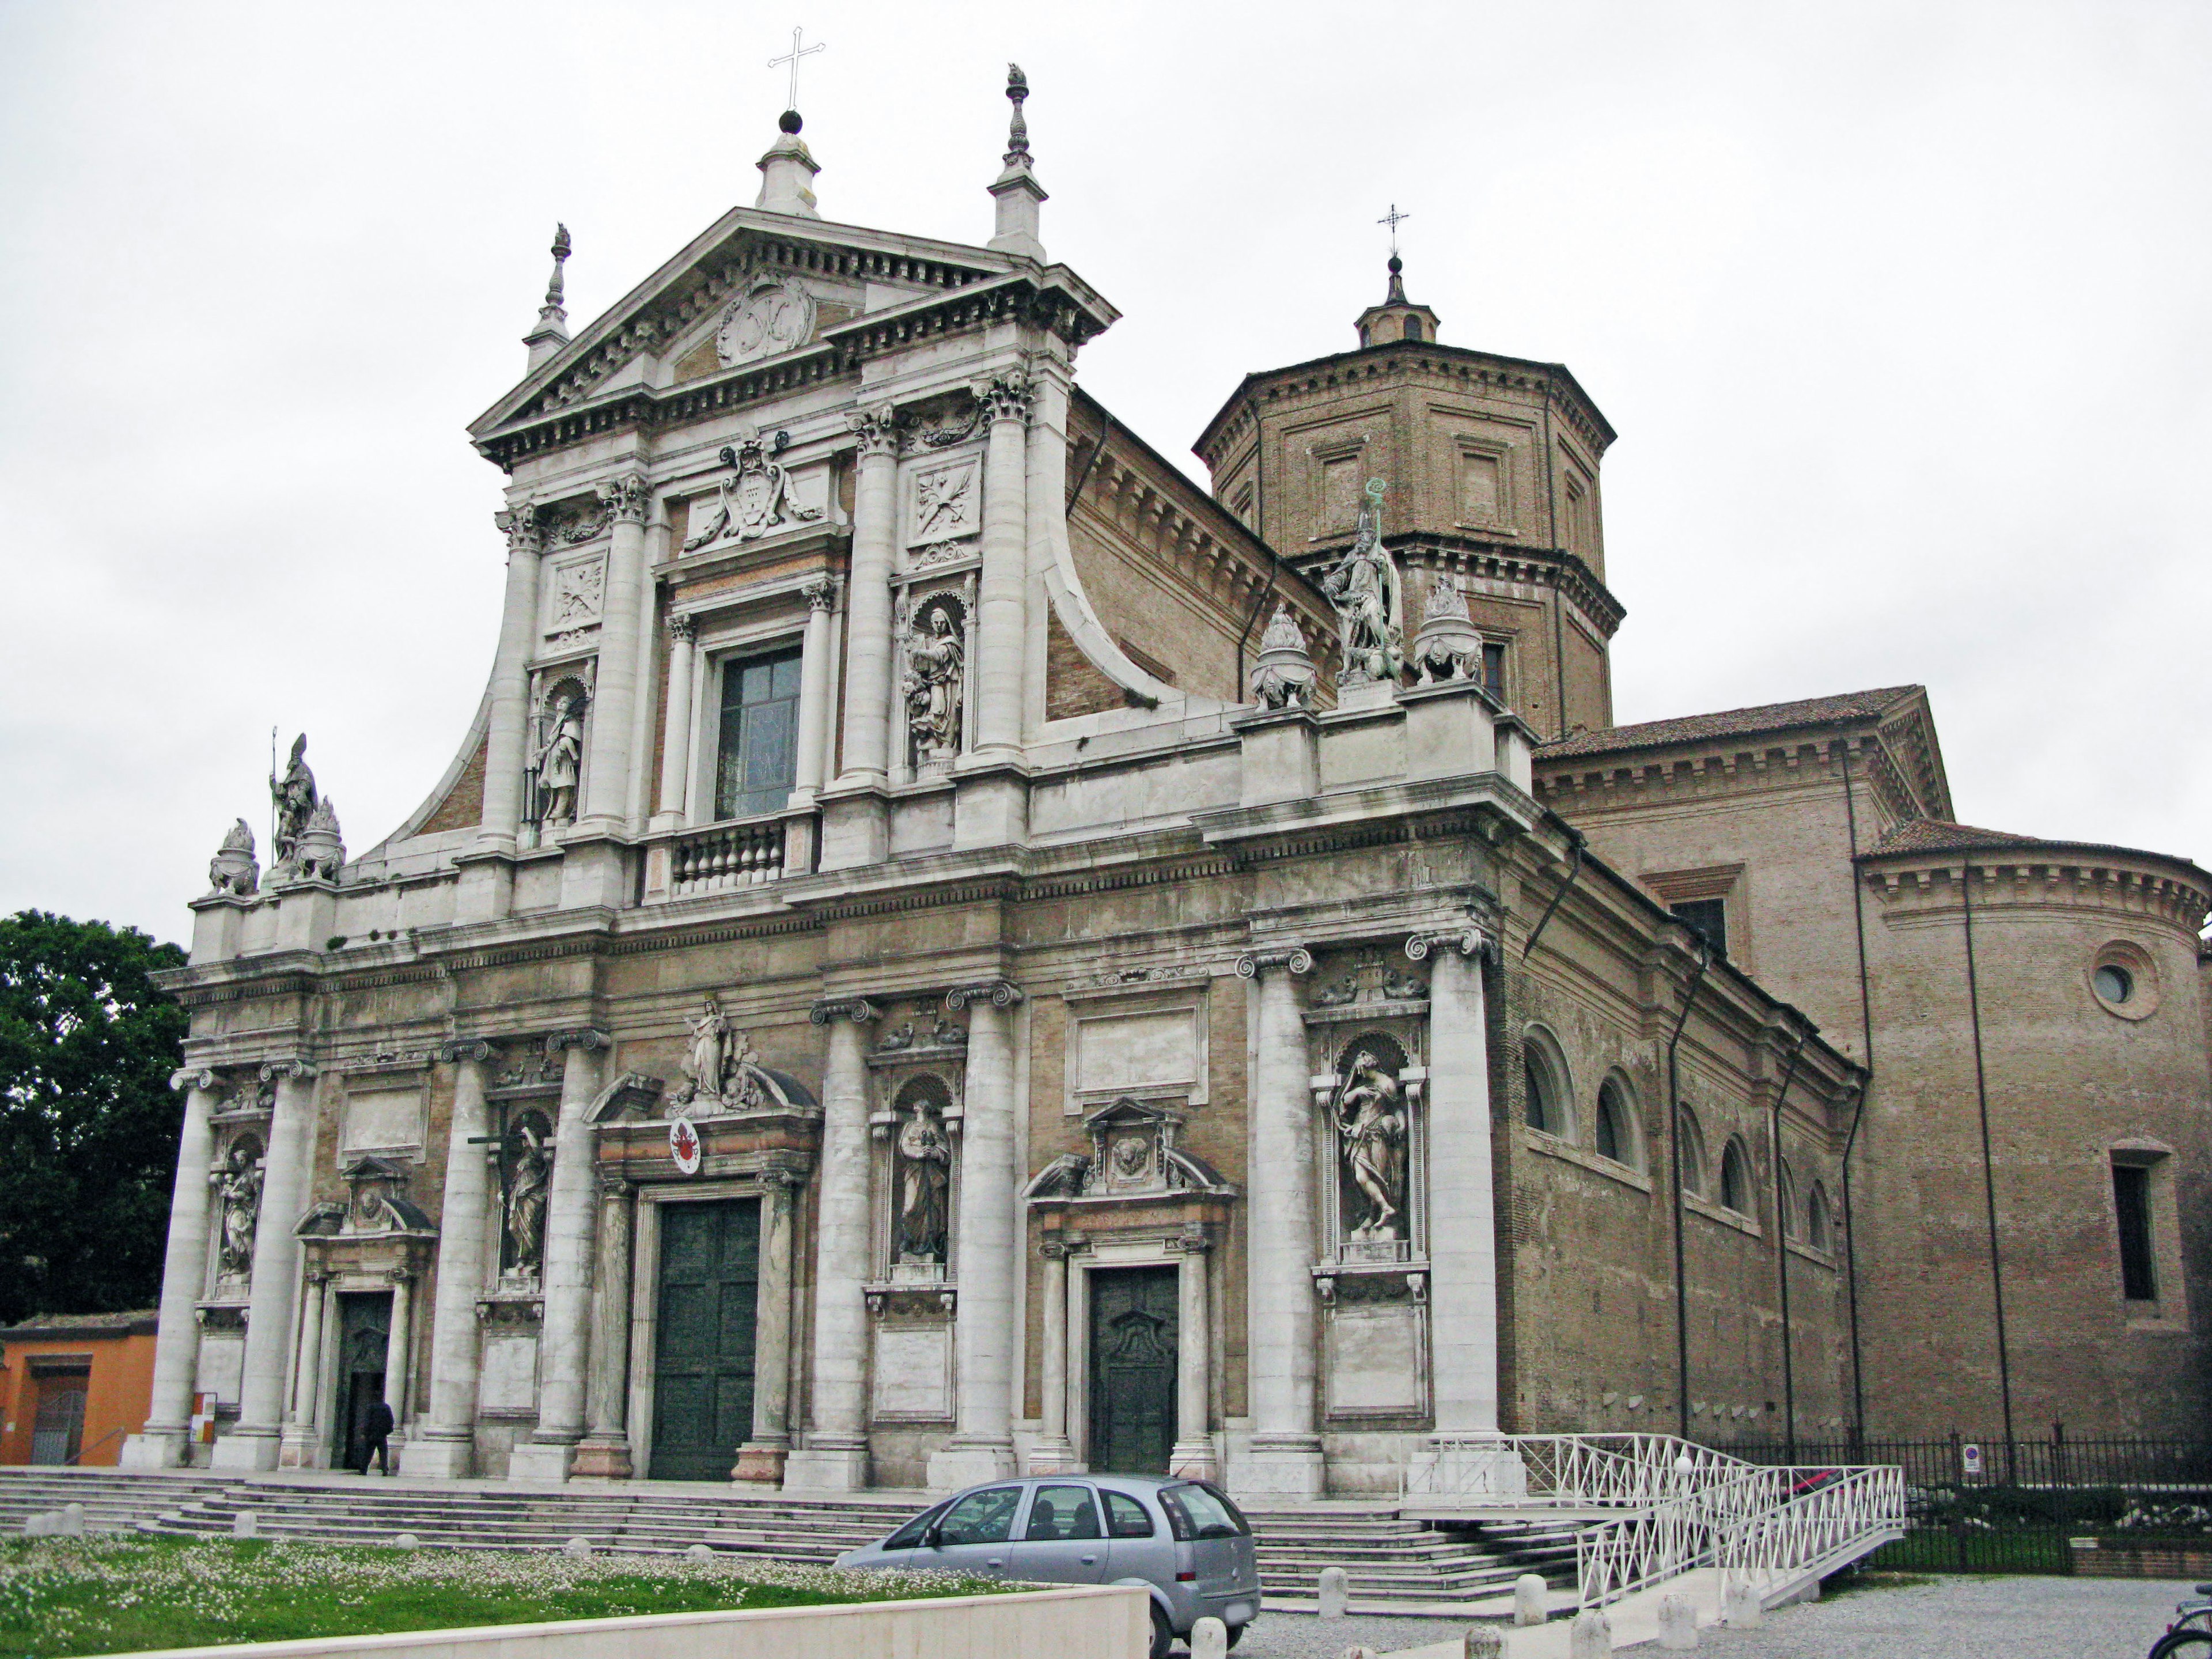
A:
995, 1561
1090, 1560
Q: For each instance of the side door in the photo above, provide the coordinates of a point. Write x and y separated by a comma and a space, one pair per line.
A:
1062, 1541
975, 1536
1137, 1546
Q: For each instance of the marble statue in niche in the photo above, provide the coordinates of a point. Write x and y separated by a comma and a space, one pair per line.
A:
1370, 603
293, 793
924, 1178
558, 765
529, 1180
1370, 1115
936, 658
238, 1186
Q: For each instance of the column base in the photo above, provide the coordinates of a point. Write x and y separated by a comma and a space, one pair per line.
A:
970, 1465
826, 1468
540, 1460
439, 1457
761, 1461
247, 1451
1053, 1455
1467, 1466
594, 868
990, 809
1287, 1467
600, 1457
156, 1448
1193, 1459
486, 889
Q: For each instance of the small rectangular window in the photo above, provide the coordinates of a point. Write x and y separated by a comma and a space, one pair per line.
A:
1493, 669
757, 762
2131, 1205
1709, 916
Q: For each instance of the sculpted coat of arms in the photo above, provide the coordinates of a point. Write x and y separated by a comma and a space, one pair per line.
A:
753, 500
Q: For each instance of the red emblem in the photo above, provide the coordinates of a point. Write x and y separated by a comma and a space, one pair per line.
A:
684, 1145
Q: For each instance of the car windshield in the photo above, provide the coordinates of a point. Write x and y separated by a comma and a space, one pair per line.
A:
981, 1518
1202, 1512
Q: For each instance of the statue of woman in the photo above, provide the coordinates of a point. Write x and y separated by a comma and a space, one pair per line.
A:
1372, 1125
925, 1166
933, 658
704, 1059
526, 1200
560, 764
239, 1186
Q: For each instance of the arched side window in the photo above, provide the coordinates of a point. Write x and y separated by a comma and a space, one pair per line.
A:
1412, 328
1548, 1088
1790, 1211
1690, 1150
1816, 1216
1615, 1129
1735, 1178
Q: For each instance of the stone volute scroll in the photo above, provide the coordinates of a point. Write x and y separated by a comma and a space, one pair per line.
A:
1449, 646
233, 870
1297, 959
1370, 601
1284, 675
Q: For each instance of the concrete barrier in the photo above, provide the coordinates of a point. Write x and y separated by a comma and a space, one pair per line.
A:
1111, 1621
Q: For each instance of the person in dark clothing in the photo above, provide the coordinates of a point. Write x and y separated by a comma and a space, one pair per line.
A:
380, 1426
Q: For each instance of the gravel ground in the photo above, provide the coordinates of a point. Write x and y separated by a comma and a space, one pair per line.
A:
1949, 1618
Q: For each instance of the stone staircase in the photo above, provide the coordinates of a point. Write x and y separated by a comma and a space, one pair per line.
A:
1394, 1563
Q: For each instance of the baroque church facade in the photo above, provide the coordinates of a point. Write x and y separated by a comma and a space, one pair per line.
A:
947, 949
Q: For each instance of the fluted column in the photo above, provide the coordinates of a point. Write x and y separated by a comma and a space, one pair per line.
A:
1053, 1453
487, 887
856, 822
566, 1276
604, 1452
983, 1445
1193, 1457
607, 775
676, 738
835, 1455
164, 1443
254, 1443
761, 1457
444, 1447
1286, 1456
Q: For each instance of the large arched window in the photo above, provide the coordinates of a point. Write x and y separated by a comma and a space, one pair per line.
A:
1816, 1216
1546, 1069
1616, 1123
1690, 1150
1735, 1178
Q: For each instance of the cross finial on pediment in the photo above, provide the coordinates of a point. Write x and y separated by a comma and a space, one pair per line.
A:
798, 51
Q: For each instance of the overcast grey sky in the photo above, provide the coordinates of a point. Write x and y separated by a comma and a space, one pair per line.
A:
1899, 311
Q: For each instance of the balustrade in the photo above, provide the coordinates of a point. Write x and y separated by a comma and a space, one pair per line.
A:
726, 855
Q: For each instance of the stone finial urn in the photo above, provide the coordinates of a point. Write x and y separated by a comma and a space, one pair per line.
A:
1449, 646
1283, 678
233, 869
322, 850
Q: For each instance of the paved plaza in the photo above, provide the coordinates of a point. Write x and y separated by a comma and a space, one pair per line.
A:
1945, 1618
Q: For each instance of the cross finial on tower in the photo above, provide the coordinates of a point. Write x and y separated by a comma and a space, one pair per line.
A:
798, 51
1394, 219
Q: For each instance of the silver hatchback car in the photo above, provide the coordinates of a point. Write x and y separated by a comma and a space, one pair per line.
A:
1182, 1539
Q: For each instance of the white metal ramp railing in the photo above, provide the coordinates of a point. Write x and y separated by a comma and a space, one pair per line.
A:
1682, 1506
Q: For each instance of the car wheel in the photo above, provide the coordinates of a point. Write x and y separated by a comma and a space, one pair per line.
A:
1163, 1635
1236, 1633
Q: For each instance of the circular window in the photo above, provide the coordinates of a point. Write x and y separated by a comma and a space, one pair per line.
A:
2124, 980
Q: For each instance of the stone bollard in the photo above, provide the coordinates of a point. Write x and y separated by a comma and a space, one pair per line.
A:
72, 1520
1335, 1592
407, 1540
1678, 1624
41, 1525
1209, 1639
1590, 1636
1528, 1599
1483, 1643
699, 1550
577, 1547
1740, 1607
246, 1524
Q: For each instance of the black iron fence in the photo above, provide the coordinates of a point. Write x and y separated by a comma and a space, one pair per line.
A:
1993, 1506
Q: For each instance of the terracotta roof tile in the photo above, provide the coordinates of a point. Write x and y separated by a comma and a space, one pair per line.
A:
1729, 723
1939, 834
59, 1323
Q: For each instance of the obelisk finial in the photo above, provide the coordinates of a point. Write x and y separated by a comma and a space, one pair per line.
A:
1018, 130
552, 331
1018, 194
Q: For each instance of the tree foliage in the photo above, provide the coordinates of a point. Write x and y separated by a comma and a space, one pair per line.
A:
88, 1123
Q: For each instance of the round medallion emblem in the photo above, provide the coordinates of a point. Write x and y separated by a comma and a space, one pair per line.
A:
683, 1146
771, 316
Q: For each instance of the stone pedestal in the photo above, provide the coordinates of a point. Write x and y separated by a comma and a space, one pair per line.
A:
218, 925
594, 872
856, 828
990, 808
1281, 755
538, 1461
1450, 730
307, 914
1516, 750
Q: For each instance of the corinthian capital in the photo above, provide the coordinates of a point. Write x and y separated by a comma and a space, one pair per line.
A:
1297, 960
626, 498
683, 629
821, 593
520, 525
878, 430
1003, 396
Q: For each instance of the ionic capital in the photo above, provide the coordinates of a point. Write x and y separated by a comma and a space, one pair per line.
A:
1052, 1249
587, 1037
296, 1069
1468, 941
859, 1010
1297, 960
456, 1051
195, 1078
1192, 1240
997, 992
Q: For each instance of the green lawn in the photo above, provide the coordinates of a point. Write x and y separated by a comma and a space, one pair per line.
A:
67, 1597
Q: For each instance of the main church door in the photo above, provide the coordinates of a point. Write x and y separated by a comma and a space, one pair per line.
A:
1133, 1370
364, 1339
702, 1385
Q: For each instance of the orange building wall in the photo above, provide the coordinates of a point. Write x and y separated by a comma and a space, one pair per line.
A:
118, 1392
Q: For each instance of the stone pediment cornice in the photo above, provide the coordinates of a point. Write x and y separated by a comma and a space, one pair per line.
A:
1051, 298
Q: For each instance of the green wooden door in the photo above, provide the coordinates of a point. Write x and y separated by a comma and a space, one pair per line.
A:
702, 1382
1133, 1370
